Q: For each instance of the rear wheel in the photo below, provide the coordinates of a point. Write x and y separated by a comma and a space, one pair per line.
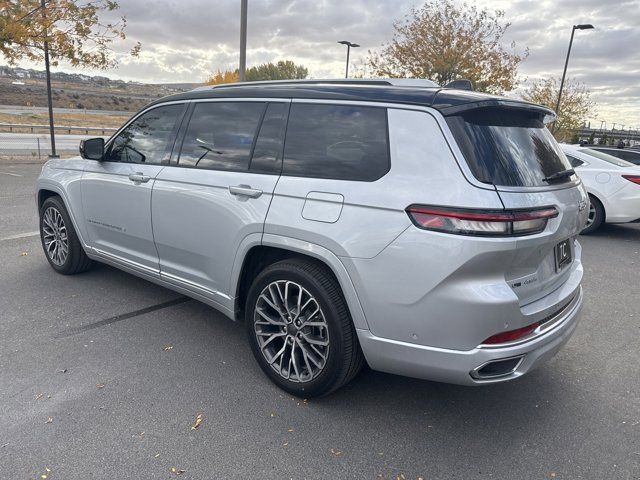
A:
596, 216
59, 240
300, 330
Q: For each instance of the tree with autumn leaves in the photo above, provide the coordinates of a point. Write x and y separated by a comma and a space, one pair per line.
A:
575, 105
281, 70
443, 42
74, 31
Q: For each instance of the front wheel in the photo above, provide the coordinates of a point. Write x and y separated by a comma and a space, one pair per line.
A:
59, 239
300, 330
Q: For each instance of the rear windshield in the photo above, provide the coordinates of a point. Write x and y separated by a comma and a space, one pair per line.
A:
606, 157
508, 147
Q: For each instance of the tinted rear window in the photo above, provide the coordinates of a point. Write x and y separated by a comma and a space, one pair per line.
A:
606, 157
507, 147
336, 141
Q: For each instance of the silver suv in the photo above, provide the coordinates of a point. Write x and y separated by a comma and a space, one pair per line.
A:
429, 232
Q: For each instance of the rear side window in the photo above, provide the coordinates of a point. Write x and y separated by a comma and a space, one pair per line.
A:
336, 141
508, 147
574, 161
220, 135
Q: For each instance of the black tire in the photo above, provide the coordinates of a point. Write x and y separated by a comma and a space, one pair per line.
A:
598, 216
76, 260
344, 358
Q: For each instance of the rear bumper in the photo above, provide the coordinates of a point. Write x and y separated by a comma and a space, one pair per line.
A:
456, 366
624, 205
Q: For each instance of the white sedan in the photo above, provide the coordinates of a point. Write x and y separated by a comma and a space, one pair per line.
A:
613, 185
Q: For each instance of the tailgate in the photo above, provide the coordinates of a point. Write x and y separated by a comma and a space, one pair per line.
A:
535, 270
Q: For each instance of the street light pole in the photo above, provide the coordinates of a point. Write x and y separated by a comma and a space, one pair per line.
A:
349, 46
243, 41
584, 26
48, 75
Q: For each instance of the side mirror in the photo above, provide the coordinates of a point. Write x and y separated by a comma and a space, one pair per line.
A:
92, 148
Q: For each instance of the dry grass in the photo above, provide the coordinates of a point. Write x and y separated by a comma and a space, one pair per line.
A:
71, 119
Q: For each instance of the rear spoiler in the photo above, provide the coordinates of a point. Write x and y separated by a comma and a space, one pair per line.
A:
548, 114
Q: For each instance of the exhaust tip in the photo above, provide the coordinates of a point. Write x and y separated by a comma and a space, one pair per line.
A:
497, 368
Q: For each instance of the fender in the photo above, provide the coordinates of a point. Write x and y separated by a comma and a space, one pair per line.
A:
316, 251
57, 188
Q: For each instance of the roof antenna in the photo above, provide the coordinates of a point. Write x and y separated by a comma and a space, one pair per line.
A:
462, 84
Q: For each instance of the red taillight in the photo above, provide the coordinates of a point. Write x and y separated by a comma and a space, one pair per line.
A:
632, 178
481, 222
511, 335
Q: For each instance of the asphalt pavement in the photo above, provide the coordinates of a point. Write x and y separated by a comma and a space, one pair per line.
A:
102, 375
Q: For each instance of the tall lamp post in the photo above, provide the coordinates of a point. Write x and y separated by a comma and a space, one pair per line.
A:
48, 74
583, 26
243, 41
349, 47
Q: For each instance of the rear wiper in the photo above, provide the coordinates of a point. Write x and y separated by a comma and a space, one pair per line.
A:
559, 175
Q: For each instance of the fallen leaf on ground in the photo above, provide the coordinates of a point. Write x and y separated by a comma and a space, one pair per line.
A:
100, 385
166, 348
198, 422
289, 429
24, 254
49, 420
176, 471
285, 444
337, 453
156, 455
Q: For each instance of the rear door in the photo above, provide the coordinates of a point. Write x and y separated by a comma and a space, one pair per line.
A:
116, 192
512, 150
218, 190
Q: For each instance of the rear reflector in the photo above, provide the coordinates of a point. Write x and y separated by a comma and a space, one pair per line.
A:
632, 178
511, 335
481, 222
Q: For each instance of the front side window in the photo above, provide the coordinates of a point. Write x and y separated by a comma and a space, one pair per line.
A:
508, 147
341, 142
220, 135
148, 139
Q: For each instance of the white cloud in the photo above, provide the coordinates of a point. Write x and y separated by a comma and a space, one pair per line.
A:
184, 40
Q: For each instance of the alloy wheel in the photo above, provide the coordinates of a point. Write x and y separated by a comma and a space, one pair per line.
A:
592, 214
54, 234
291, 331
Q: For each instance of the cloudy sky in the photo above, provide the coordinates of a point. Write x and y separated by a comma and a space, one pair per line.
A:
184, 40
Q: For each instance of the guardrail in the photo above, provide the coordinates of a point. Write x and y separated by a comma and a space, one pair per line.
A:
65, 128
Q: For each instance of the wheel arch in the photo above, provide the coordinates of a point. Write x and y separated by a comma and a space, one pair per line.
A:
48, 190
599, 197
255, 256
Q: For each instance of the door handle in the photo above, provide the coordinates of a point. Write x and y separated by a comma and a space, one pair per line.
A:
139, 177
245, 191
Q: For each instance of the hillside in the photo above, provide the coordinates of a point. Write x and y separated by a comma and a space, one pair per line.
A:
28, 88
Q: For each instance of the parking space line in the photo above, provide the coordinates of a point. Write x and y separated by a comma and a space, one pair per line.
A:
122, 316
20, 235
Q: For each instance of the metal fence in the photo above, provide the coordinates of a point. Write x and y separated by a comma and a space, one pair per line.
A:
33, 141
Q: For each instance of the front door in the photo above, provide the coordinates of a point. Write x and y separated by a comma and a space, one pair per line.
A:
218, 192
116, 192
